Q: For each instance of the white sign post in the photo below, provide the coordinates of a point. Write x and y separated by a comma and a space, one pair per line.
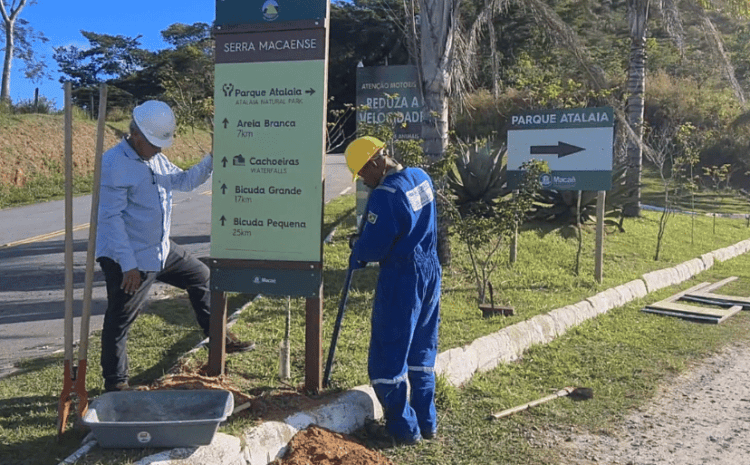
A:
577, 145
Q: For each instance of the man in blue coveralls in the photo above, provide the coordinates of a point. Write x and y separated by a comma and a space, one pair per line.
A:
400, 231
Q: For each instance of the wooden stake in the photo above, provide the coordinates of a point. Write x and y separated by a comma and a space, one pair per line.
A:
599, 258
94, 217
514, 239
63, 406
68, 224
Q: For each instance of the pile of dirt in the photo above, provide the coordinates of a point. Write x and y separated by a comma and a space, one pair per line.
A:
319, 446
195, 381
257, 403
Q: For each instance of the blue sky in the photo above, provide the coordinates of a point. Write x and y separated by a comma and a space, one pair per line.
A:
61, 22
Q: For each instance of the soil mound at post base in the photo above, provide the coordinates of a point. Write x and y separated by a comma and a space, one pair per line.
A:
319, 446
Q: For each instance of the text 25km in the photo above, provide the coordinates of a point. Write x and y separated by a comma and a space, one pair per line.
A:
241, 232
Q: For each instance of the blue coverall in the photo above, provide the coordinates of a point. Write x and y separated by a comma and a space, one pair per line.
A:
400, 232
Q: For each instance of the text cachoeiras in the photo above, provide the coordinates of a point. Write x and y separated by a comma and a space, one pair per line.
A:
273, 161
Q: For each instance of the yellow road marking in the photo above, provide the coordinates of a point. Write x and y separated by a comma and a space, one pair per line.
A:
42, 237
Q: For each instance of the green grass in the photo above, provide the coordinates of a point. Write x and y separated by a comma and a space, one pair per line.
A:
622, 352
623, 356
704, 200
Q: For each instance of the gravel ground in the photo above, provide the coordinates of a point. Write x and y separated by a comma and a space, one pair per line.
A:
701, 417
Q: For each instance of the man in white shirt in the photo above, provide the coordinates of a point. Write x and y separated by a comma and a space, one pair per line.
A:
133, 246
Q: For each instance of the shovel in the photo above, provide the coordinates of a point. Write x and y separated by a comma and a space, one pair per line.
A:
339, 317
337, 326
575, 393
74, 377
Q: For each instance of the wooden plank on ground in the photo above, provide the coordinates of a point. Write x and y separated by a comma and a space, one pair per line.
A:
675, 297
718, 299
685, 316
716, 285
671, 307
686, 308
716, 315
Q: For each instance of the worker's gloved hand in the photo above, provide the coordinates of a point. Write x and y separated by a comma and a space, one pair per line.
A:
352, 240
356, 264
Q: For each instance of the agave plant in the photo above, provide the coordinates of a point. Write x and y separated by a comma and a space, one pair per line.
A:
478, 174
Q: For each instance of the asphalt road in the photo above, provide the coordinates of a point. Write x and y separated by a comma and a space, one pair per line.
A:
32, 270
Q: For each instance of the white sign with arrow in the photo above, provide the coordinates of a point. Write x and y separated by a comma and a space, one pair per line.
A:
575, 143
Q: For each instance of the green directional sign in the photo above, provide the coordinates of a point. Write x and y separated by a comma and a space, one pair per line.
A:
268, 161
576, 143
268, 12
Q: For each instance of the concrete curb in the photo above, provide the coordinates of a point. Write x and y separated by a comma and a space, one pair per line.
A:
349, 411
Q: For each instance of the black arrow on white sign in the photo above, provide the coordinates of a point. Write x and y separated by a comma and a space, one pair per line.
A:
226, 121
311, 91
561, 149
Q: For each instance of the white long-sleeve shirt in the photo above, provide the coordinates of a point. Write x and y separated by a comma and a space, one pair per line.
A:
135, 205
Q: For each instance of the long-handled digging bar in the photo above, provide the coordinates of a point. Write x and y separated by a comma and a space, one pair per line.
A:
337, 326
74, 376
575, 393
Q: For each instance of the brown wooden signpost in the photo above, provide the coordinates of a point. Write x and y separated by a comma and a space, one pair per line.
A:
269, 149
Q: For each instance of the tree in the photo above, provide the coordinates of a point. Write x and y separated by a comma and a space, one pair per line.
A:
636, 89
674, 156
361, 31
108, 59
638, 14
186, 73
19, 38
486, 226
448, 50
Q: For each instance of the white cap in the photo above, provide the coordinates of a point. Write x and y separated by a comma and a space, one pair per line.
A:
156, 121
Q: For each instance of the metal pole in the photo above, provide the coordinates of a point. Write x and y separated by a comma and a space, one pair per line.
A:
313, 344
285, 347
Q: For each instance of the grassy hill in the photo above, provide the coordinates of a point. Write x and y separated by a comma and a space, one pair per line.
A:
32, 150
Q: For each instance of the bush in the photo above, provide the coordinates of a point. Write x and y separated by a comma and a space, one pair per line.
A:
5, 108
705, 105
43, 106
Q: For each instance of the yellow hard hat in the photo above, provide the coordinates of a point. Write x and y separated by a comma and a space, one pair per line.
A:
359, 152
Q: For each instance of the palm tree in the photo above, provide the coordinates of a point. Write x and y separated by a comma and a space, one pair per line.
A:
636, 88
445, 52
437, 30
444, 45
638, 15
